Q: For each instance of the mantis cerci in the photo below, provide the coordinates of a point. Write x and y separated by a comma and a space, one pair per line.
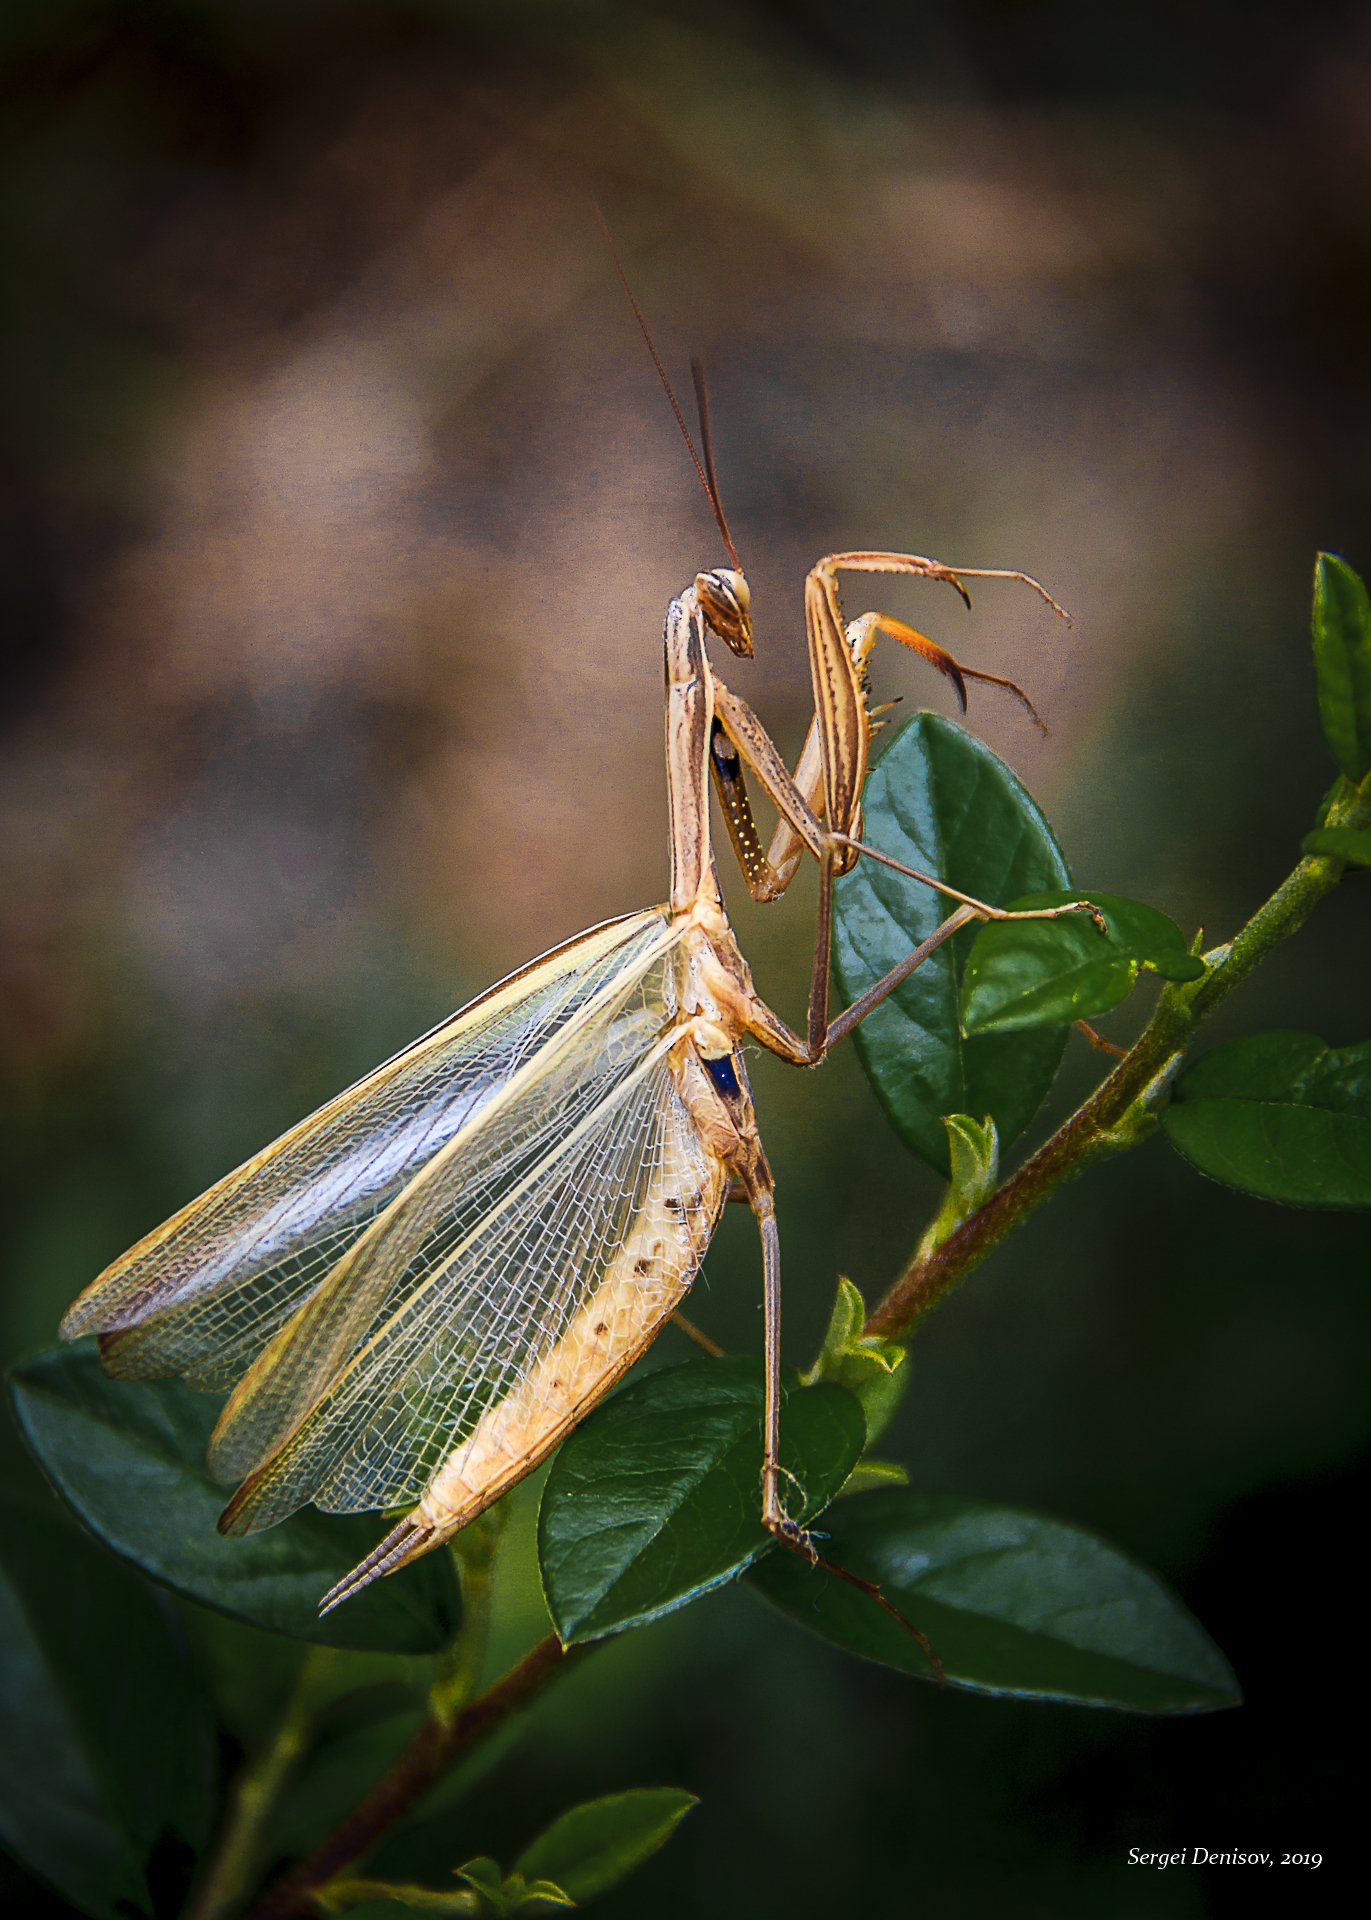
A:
416, 1292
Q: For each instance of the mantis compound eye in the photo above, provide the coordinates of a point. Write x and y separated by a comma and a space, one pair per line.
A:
726, 603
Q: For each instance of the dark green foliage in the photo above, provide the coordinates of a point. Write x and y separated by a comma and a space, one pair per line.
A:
940, 801
1010, 1603
656, 1497
109, 1754
1281, 1116
130, 1460
1047, 973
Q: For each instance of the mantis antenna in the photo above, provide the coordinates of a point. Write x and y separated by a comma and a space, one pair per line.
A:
704, 468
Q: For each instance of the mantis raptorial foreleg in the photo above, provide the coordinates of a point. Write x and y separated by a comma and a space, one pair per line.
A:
831, 772
837, 664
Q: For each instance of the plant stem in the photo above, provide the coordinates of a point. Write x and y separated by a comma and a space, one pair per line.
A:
230, 1867
436, 1747
475, 1550
1120, 1112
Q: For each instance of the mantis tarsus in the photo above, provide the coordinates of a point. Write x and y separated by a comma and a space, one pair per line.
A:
416, 1292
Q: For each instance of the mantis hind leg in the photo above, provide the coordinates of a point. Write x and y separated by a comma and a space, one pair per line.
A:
784, 1530
775, 1518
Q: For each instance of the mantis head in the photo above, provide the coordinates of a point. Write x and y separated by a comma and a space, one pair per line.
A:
725, 601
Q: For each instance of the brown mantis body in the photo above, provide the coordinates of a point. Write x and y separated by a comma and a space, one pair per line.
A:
425, 1320
420, 1289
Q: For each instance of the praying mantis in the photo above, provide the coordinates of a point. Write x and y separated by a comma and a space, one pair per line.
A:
414, 1294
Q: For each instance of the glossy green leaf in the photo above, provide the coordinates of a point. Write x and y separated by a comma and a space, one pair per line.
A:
110, 1750
1352, 844
130, 1460
876, 1371
591, 1848
1281, 1116
940, 801
657, 1496
1342, 663
1011, 1604
1046, 973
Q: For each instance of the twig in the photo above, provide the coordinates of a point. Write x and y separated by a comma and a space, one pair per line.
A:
435, 1748
230, 1867
474, 1551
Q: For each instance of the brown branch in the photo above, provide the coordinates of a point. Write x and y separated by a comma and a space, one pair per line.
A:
433, 1750
1092, 1130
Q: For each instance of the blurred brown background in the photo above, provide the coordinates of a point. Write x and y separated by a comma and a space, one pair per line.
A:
340, 511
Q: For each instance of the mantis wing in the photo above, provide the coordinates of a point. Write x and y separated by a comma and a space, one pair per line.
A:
206, 1292
492, 1334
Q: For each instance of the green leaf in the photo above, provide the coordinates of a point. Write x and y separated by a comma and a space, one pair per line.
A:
541, 1896
657, 1496
129, 1459
483, 1875
591, 1848
503, 1897
1011, 1604
1352, 844
875, 1370
974, 1152
869, 1473
1044, 973
1279, 1115
940, 801
110, 1752
1342, 663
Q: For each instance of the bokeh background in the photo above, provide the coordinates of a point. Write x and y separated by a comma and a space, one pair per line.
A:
340, 510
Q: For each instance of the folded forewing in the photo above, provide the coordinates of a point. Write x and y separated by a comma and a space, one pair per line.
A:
204, 1293
480, 1302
